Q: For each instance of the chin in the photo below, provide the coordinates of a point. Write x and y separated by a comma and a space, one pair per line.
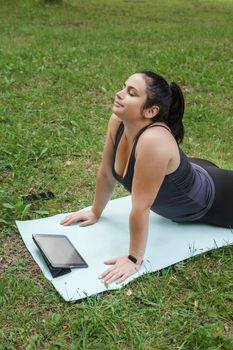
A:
119, 115
116, 111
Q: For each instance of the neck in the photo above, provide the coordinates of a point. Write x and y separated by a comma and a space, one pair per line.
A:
132, 129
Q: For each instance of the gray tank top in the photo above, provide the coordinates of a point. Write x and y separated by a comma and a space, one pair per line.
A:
185, 195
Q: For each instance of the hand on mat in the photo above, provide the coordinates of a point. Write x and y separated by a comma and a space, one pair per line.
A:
87, 218
122, 268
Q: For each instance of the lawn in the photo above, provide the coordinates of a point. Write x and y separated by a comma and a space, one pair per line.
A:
60, 65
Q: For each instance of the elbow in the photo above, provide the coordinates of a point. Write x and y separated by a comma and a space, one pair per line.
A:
141, 204
139, 211
106, 176
104, 173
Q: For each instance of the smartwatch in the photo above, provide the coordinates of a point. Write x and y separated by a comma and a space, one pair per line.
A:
132, 258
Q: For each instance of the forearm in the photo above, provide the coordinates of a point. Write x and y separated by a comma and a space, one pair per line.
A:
104, 188
138, 224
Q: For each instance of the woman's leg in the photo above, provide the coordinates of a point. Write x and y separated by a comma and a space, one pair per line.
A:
221, 212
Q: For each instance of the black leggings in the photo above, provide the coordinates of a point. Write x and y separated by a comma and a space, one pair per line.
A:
221, 211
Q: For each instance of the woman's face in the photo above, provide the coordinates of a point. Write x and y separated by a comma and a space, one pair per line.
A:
129, 101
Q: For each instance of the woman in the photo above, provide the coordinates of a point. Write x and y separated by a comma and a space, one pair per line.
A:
142, 152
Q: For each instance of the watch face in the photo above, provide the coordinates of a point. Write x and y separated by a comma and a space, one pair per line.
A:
132, 258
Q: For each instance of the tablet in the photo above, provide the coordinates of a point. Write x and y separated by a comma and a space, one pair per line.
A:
59, 251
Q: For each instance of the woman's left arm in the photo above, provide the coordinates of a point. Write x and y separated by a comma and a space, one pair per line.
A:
152, 158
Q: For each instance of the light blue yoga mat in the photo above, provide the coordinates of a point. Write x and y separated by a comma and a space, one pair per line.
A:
168, 243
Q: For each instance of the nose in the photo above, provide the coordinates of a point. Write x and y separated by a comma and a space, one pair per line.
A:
120, 94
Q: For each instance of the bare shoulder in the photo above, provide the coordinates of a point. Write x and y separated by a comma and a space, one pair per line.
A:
157, 140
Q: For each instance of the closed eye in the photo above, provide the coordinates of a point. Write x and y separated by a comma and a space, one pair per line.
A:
132, 93
130, 89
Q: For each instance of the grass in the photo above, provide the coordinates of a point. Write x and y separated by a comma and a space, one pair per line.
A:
60, 64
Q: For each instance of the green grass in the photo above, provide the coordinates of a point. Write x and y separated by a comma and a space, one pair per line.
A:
60, 65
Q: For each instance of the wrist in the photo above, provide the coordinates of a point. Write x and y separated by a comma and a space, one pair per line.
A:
136, 260
96, 212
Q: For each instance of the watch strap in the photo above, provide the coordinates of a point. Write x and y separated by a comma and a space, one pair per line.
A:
132, 258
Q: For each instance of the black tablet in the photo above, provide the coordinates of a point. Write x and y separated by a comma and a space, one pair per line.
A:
59, 251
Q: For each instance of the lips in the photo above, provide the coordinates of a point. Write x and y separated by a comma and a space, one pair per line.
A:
116, 103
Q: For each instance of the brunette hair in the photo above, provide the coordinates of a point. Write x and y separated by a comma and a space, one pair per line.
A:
170, 100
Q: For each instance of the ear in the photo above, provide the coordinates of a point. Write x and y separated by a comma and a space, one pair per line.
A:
151, 112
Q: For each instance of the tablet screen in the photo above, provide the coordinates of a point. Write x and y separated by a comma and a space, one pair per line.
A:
59, 250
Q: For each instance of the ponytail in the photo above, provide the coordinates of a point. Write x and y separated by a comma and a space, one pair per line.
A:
176, 112
170, 100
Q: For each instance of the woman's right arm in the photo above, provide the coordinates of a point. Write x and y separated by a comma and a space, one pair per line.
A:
105, 181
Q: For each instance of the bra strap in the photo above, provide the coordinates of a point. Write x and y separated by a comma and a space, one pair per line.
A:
161, 126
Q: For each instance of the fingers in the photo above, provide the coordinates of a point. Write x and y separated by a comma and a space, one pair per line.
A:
87, 222
122, 268
87, 218
106, 272
110, 261
110, 275
120, 280
70, 219
115, 277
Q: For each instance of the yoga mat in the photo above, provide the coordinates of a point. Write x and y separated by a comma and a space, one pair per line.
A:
168, 243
